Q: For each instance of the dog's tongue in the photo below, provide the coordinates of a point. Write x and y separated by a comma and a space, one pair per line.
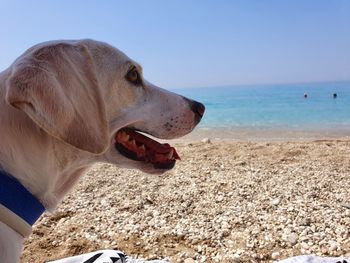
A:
153, 145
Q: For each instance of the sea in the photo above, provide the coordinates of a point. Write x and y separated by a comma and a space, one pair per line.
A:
275, 111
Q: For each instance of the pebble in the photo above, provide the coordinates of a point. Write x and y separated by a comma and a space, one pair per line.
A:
293, 239
276, 201
333, 246
206, 140
275, 255
220, 198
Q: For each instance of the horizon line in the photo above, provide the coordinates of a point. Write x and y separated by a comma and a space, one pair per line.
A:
260, 84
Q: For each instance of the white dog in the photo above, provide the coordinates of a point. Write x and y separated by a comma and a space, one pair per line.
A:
65, 105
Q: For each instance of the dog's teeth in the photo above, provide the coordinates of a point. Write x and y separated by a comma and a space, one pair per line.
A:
142, 148
132, 142
169, 155
123, 136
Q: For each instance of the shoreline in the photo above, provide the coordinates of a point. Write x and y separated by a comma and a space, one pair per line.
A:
265, 134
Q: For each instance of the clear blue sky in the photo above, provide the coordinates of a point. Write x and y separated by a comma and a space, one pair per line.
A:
194, 43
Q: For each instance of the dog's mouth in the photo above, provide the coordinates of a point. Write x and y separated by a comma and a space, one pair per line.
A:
138, 147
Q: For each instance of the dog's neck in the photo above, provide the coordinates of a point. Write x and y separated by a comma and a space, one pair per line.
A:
56, 185
11, 243
41, 163
19, 209
47, 167
49, 170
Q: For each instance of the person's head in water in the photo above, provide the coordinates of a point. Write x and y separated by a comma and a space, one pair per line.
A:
305, 95
335, 95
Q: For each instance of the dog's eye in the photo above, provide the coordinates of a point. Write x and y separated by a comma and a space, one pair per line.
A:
133, 76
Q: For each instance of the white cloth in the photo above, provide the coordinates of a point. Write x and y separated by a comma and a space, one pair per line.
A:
314, 259
104, 256
116, 256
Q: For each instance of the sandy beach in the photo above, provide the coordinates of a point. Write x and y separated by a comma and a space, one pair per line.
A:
226, 201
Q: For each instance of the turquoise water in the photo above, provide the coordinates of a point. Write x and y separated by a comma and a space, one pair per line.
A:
275, 106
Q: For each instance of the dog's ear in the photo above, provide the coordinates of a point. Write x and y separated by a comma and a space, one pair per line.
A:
56, 86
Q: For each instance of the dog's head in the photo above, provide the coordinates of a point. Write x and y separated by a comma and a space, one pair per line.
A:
94, 98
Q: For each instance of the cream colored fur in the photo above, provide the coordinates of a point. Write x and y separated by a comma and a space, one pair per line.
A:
61, 104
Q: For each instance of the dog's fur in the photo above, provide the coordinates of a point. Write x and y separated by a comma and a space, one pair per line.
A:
61, 104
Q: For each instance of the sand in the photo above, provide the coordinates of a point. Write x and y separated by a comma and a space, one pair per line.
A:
226, 201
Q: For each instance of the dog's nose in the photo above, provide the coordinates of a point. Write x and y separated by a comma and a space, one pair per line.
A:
197, 107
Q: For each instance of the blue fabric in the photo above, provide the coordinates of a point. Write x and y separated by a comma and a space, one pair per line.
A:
18, 199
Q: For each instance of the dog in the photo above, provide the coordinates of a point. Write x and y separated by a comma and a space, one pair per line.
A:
65, 105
